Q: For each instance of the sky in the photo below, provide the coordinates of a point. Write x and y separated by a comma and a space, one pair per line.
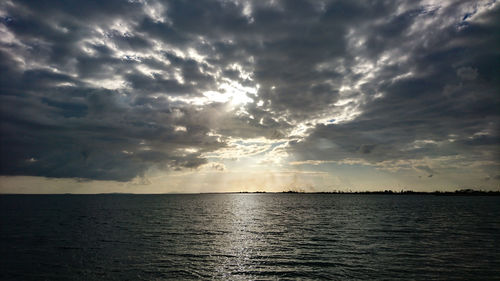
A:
149, 96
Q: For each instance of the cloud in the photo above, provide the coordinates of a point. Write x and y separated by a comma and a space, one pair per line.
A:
100, 91
310, 162
413, 116
425, 169
218, 167
467, 73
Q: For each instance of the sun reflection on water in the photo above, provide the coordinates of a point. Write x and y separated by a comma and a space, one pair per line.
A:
242, 241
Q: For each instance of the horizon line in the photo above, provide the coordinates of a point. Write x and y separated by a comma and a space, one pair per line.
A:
377, 192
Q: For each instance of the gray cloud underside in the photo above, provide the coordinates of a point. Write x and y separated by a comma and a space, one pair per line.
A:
423, 79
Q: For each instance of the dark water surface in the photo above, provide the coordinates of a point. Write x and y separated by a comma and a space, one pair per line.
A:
248, 237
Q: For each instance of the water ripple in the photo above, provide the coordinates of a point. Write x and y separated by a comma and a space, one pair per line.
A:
249, 237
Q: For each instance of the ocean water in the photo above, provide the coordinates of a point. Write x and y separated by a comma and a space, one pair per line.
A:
249, 237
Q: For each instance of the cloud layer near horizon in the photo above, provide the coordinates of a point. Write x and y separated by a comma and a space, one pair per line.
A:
112, 90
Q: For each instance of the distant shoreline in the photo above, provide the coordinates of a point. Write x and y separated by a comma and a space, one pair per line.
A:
461, 192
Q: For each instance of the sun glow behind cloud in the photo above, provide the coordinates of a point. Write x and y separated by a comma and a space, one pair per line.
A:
232, 92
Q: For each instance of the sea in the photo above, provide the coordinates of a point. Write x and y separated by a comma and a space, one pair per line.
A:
266, 236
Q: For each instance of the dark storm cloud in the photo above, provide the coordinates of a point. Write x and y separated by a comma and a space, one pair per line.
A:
448, 106
99, 90
87, 132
